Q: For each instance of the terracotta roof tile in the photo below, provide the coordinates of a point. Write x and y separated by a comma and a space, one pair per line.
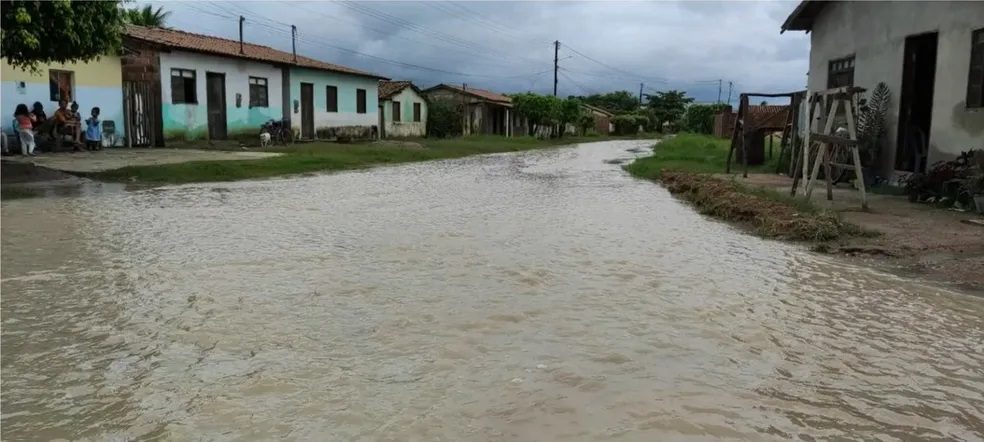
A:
230, 48
480, 93
388, 89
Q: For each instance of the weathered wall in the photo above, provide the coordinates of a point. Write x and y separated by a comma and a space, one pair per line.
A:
97, 83
190, 121
875, 32
347, 118
406, 127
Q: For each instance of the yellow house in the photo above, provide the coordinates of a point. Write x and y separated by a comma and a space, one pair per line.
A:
98, 83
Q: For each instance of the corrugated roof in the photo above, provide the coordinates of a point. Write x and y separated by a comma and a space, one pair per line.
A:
173, 38
768, 116
387, 89
801, 19
479, 93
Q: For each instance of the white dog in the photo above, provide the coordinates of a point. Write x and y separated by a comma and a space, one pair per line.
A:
264, 139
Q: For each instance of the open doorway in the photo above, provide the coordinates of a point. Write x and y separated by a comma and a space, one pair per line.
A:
916, 105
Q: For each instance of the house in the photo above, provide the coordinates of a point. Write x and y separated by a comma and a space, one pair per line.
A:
929, 54
602, 118
486, 112
214, 88
93, 84
402, 110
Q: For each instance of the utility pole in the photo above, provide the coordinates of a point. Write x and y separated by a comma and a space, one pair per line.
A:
241, 20
640, 93
719, 91
293, 41
556, 52
730, 84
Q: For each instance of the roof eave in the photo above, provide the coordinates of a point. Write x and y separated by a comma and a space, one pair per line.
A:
801, 19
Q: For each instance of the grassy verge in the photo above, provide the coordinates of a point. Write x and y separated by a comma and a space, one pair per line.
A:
324, 156
684, 164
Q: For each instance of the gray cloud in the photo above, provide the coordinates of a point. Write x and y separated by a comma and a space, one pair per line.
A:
507, 46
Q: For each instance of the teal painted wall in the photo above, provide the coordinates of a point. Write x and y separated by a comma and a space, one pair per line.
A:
347, 85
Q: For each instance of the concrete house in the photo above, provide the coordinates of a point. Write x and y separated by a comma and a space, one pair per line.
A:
929, 54
486, 112
402, 110
602, 118
214, 88
329, 101
97, 83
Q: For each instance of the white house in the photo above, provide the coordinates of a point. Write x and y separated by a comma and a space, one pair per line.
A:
929, 54
402, 109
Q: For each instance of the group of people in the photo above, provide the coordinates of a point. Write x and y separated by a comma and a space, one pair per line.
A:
32, 123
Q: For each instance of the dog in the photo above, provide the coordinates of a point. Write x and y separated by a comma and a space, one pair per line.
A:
265, 139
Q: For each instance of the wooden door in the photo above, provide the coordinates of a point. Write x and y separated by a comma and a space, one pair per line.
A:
216, 105
307, 110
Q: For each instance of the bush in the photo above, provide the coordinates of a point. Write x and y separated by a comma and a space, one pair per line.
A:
444, 118
628, 124
699, 118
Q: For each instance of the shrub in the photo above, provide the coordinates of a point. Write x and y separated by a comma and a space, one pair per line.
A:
444, 118
699, 118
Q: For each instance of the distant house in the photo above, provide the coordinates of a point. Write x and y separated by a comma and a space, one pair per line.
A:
214, 88
486, 112
93, 84
929, 54
602, 118
402, 109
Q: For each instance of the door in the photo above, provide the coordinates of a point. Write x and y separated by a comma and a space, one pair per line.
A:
216, 105
382, 123
307, 111
916, 103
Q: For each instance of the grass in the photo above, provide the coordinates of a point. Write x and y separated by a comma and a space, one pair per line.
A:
692, 153
685, 164
325, 156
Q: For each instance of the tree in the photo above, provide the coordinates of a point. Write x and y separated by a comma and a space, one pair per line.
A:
570, 112
147, 16
444, 118
699, 118
60, 31
617, 102
543, 110
668, 106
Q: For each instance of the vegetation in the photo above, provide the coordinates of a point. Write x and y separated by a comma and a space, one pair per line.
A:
627, 124
147, 16
547, 110
668, 107
871, 124
444, 119
320, 157
59, 31
692, 153
616, 102
699, 118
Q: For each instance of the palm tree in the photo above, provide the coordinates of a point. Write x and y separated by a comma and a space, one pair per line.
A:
147, 16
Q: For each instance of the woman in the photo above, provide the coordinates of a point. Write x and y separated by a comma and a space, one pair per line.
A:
25, 129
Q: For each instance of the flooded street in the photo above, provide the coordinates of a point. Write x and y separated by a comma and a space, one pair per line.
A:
544, 295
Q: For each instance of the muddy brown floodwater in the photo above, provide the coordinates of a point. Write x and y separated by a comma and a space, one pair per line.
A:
535, 296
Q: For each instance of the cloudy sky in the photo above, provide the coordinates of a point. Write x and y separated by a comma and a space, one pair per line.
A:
508, 46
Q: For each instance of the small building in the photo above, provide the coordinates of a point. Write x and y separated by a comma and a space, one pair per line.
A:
929, 54
602, 119
207, 87
402, 110
97, 83
486, 112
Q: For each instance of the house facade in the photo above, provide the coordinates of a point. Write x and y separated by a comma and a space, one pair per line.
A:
214, 88
97, 83
929, 54
602, 118
486, 112
402, 109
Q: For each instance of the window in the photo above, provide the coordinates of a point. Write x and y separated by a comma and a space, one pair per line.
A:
840, 72
360, 101
975, 81
60, 83
331, 97
183, 86
258, 96
396, 111
416, 112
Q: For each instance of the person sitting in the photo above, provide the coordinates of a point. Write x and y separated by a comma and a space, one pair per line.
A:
75, 113
41, 124
25, 129
93, 131
65, 122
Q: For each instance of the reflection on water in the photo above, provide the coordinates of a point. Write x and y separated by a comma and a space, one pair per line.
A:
535, 296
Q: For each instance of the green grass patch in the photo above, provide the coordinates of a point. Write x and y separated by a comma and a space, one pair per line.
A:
325, 156
691, 153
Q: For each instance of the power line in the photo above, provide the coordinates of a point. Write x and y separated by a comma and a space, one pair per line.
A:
659, 80
582, 88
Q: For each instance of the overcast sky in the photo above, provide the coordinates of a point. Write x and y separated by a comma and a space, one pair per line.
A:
508, 46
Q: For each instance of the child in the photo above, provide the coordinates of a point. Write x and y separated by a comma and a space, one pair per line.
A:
25, 128
93, 131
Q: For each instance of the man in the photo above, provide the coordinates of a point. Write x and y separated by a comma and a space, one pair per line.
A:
65, 120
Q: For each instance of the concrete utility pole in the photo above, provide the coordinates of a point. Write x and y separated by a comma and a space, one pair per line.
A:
556, 51
730, 84
719, 91
640, 93
241, 20
293, 41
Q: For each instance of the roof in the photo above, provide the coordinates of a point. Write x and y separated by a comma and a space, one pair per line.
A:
770, 116
387, 89
478, 93
173, 38
801, 19
598, 109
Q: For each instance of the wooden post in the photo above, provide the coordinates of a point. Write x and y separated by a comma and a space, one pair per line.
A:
734, 136
827, 127
827, 173
852, 131
744, 148
770, 143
